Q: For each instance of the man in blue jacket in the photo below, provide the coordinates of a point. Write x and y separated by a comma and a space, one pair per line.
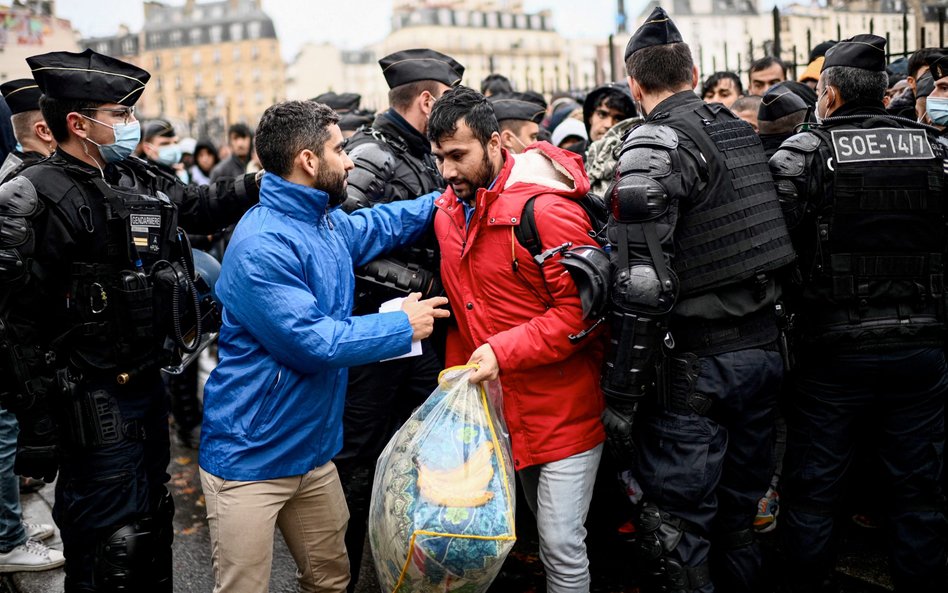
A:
273, 407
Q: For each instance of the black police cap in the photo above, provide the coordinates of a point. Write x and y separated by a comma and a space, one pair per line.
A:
22, 94
518, 106
342, 102
820, 49
866, 52
157, 127
412, 65
88, 76
658, 29
937, 65
778, 102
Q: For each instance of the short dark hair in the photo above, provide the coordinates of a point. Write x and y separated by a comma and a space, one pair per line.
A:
917, 60
661, 67
766, 62
289, 127
401, 96
496, 84
513, 125
617, 100
56, 110
462, 102
241, 130
856, 83
712, 82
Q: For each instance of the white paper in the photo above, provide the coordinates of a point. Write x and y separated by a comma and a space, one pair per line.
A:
396, 305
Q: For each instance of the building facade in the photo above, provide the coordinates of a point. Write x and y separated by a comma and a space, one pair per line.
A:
30, 28
212, 63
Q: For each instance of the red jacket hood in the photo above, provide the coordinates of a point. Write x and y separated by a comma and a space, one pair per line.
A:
541, 169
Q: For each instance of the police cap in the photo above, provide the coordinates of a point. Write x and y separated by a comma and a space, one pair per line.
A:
937, 65
866, 52
658, 29
22, 94
157, 127
520, 106
88, 76
342, 102
778, 102
411, 65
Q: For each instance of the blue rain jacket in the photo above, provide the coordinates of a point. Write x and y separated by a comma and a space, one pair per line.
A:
273, 406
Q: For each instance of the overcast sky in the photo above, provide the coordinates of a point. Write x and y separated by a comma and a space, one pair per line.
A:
348, 23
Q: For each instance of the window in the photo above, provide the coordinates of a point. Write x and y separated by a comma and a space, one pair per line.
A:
177, 60
215, 33
237, 54
253, 30
180, 105
218, 78
237, 77
196, 58
195, 35
217, 56
175, 38
128, 45
240, 100
258, 97
157, 62
236, 31
158, 83
198, 79
254, 52
256, 74
177, 82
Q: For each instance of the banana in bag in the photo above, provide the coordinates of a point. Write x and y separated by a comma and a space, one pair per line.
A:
442, 511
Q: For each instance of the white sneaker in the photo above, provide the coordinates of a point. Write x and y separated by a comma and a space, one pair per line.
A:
38, 531
31, 557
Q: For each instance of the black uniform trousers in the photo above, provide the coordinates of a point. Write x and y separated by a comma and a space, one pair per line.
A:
712, 469
102, 489
901, 395
379, 399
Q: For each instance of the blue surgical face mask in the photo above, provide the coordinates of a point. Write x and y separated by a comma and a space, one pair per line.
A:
169, 155
19, 147
127, 137
937, 108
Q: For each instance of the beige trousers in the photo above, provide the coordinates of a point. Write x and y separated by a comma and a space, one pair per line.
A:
312, 514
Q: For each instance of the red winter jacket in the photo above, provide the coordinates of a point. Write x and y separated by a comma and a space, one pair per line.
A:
552, 400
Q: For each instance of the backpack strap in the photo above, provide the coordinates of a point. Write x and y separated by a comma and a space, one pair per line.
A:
526, 232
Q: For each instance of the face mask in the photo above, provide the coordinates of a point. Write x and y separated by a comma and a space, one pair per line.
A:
19, 147
169, 155
127, 137
937, 108
816, 110
523, 146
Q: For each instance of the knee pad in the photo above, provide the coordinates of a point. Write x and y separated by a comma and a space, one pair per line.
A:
123, 560
657, 535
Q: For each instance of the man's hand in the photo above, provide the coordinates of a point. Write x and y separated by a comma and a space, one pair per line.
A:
618, 424
37, 452
421, 314
488, 369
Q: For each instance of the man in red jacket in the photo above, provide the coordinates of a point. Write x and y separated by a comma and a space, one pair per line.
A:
514, 317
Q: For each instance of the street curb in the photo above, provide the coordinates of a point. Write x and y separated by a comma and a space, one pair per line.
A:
37, 508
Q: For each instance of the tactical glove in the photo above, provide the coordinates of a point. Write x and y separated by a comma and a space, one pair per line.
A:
617, 420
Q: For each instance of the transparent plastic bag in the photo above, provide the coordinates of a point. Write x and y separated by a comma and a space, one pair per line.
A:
442, 511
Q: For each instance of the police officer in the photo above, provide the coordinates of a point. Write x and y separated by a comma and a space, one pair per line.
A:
519, 116
692, 371
865, 199
96, 294
392, 162
34, 140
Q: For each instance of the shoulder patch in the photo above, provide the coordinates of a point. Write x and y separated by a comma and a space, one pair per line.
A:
652, 135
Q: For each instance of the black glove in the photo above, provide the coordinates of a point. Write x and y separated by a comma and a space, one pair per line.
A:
617, 420
37, 452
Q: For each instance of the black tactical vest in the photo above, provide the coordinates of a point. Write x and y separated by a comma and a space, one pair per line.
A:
126, 264
876, 263
733, 229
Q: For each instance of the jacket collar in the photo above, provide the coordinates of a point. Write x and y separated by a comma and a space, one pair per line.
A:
673, 102
391, 123
303, 203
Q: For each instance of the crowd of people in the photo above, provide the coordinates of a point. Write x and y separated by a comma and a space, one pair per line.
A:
705, 305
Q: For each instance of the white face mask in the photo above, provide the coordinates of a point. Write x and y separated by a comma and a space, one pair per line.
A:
816, 110
523, 146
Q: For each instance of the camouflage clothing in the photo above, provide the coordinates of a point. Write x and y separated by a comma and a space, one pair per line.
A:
601, 158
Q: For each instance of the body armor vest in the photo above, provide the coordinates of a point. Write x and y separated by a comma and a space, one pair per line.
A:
734, 228
120, 300
876, 264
